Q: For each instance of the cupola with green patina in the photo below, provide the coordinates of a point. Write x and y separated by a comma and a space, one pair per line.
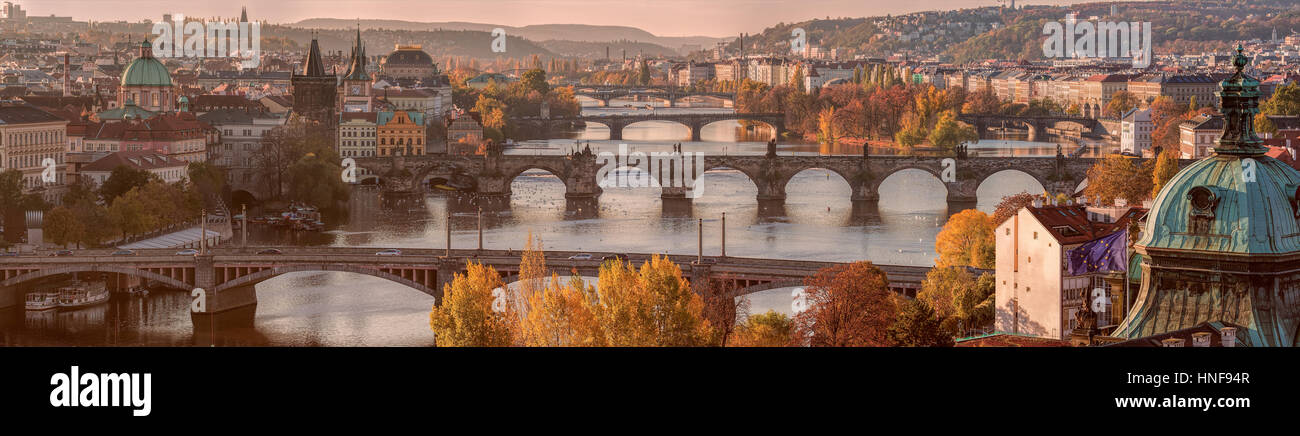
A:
1221, 243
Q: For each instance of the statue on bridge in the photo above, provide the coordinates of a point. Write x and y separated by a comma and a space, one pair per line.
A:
771, 148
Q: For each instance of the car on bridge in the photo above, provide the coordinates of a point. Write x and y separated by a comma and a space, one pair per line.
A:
580, 256
270, 251
61, 253
187, 252
389, 252
123, 253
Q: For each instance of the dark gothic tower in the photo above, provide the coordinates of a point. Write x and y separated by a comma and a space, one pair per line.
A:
356, 86
315, 91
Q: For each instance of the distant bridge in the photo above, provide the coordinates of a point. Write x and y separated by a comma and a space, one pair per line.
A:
671, 95
229, 275
694, 122
1038, 126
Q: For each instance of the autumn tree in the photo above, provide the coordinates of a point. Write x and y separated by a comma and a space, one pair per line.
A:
651, 307
466, 317
770, 329
722, 308
917, 326
847, 306
1010, 205
1121, 102
560, 315
1165, 169
1118, 177
532, 267
948, 133
983, 101
966, 240
960, 300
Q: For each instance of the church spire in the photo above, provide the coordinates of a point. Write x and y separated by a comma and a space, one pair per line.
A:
1239, 96
243, 14
313, 66
357, 69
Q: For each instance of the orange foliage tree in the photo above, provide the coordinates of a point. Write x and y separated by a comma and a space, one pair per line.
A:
848, 306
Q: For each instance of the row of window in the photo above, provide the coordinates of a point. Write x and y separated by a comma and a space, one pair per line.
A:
33, 160
36, 138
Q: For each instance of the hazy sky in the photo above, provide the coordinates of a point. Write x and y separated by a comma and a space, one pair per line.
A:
661, 17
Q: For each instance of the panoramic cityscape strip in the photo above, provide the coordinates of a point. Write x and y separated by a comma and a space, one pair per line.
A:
1112, 174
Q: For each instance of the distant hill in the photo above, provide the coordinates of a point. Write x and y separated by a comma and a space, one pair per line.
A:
537, 32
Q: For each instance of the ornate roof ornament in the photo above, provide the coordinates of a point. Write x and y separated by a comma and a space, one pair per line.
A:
1239, 97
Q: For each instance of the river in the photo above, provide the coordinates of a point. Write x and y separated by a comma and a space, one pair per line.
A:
341, 309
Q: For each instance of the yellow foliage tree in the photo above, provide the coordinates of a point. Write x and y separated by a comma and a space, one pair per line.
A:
561, 316
532, 267
473, 313
651, 307
966, 240
769, 329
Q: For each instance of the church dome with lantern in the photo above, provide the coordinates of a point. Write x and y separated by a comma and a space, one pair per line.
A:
1222, 241
147, 82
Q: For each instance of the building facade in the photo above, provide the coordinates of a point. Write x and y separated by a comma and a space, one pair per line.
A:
400, 133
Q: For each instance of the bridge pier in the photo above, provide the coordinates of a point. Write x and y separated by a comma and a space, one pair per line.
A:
10, 296
700, 272
235, 307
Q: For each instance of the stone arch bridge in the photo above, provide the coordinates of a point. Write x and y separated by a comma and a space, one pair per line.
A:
670, 95
695, 122
1038, 126
228, 276
771, 173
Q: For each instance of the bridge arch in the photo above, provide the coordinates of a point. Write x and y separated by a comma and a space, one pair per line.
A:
270, 273
69, 269
933, 172
847, 178
776, 129
1043, 185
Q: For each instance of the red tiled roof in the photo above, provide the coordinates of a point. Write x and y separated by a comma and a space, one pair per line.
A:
1070, 224
135, 159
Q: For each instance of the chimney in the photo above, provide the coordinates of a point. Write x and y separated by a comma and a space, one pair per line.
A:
1172, 343
1121, 202
1228, 336
1201, 339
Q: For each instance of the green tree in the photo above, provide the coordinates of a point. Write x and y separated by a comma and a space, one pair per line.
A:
916, 326
123, 179
535, 80
62, 227
948, 133
315, 180
960, 300
1285, 101
1166, 168
1263, 124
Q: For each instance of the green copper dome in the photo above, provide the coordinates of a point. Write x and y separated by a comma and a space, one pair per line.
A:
146, 70
1213, 205
1238, 201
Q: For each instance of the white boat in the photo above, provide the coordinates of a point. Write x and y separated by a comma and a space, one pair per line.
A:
38, 301
82, 294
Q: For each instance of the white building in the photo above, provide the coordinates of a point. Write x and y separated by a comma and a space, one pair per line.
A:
1135, 131
357, 135
1035, 295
